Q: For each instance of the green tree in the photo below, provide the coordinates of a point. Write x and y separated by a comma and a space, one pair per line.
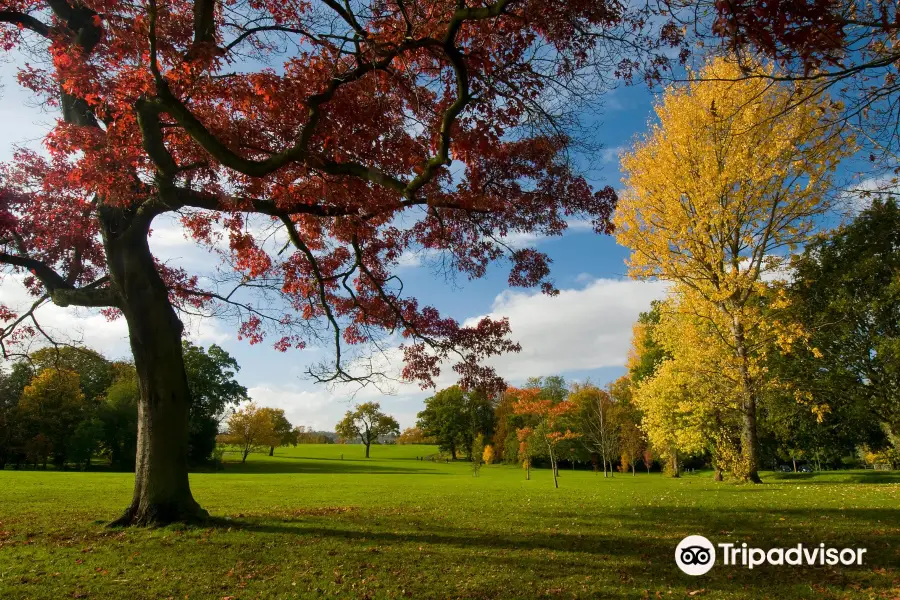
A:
646, 353
282, 427
846, 291
211, 378
119, 415
552, 387
454, 417
368, 423
85, 441
12, 384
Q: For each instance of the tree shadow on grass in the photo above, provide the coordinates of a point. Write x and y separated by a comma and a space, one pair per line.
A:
838, 477
320, 467
633, 548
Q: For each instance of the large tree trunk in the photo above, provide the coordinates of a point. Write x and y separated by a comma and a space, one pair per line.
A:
162, 493
367, 448
749, 441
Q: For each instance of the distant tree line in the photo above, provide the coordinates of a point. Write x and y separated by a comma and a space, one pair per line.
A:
68, 405
545, 421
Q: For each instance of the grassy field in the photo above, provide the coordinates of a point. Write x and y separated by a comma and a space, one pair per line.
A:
307, 524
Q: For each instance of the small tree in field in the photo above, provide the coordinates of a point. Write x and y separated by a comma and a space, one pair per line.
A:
647, 458
367, 423
284, 431
477, 454
251, 429
632, 443
600, 422
488, 456
525, 450
548, 414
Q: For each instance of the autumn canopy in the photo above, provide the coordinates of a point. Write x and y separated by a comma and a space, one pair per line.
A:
289, 136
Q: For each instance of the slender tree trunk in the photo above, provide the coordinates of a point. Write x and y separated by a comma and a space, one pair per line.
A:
162, 493
749, 441
553, 468
367, 448
794, 460
673, 466
271, 450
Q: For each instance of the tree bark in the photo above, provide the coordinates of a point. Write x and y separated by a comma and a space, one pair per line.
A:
367, 448
162, 493
749, 441
271, 450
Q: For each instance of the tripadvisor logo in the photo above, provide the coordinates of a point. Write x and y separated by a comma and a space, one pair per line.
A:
696, 555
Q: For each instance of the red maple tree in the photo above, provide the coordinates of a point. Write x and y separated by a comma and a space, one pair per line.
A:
319, 121
547, 415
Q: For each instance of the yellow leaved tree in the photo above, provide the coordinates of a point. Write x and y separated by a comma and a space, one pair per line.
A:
251, 429
717, 195
488, 456
692, 401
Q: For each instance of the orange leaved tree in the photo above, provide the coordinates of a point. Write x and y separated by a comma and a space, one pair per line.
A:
548, 429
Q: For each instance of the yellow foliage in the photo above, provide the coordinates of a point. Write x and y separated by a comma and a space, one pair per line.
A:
722, 189
251, 428
488, 456
717, 195
692, 402
52, 388
725, 178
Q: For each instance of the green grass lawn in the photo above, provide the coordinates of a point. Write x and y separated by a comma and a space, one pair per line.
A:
306, 524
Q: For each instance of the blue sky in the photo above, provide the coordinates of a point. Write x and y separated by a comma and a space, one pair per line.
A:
582, 333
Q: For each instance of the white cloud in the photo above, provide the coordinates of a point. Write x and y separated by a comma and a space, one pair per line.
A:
24, 123
580, 329
858, 197
320, 407
608, 155
72, 325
